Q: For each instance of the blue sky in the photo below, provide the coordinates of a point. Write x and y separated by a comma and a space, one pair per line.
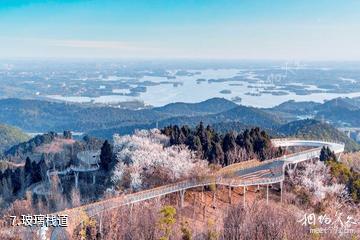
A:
228, 29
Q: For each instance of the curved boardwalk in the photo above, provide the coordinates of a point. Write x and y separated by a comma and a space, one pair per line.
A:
88, 162
237, 175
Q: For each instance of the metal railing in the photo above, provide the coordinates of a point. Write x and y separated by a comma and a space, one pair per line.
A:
231, 176
241, 168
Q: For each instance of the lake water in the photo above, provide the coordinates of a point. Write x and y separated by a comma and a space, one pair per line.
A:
191, 90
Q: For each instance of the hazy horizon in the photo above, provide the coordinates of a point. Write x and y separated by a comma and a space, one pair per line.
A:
219, 30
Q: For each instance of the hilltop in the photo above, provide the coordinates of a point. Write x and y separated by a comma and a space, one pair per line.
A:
313, 129
338, 111
210, 106
10, 136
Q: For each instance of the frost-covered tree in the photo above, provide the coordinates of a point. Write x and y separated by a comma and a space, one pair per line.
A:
146, 159
316, 178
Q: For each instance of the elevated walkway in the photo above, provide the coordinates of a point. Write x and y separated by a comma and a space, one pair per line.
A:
251, 173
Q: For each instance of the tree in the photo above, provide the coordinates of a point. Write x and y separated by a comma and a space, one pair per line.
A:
86, 138
211, 233
5, 189
229, 145
67, 135
316, 178
27, 171
87, 229
147, 159
27, 167
223, 149
43, 168
216, 154
197, 144
327, 155
261, 221
354, 187
167, 221
35, 173
185, 231
229, 142
16, 180
106, 156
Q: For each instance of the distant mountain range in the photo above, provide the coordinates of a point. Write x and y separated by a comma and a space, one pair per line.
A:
339, 112
44, 116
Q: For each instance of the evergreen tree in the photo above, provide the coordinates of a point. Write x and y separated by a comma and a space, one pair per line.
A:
201, 133
106, 156
197, 144
6, 189
35, 173
67, 135
27, 167
229, 142
16, 180
327, 155
217, 154
219, 149
43, 168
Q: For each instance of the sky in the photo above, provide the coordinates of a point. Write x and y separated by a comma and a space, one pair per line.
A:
181, 29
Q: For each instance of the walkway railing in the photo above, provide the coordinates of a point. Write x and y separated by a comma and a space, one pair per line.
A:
253, 165
230, 176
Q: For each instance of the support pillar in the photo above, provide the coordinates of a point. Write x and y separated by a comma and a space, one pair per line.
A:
267, 193
76, 179
230, 200
129, 219
61, 185
48, 175
281, 191
131, 209
295, 166
244, 196
101, 224
194, 208
202, 193
214, 199
204, 212
258, 188
94, 179
339, 158
182, 196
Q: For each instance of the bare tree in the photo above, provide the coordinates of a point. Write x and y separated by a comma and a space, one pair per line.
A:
260, 221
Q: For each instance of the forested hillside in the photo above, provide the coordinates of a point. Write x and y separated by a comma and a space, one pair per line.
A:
43, 116
312, 129
30, 146
245, 115
338, 111
224, 149
10, 136
223, 115
210, 106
